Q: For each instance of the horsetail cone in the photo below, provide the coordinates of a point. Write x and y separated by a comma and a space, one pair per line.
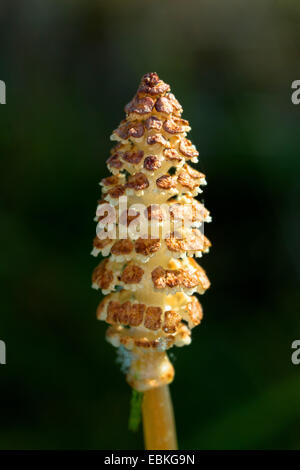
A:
150, 229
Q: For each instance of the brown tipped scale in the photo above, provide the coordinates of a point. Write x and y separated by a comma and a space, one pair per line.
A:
149, 281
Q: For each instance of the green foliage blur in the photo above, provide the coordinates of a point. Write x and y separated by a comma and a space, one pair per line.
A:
70, 67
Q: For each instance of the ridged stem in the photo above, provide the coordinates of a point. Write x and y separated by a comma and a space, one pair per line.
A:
158, 420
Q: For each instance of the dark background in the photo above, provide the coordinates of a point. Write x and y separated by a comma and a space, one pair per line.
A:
69, 68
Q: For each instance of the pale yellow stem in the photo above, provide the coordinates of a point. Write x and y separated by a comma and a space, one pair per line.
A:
158, 420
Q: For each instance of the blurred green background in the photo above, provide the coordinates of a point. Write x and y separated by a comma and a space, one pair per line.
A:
69, 68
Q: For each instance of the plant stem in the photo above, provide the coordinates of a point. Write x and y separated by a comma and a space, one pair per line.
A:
158, 420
